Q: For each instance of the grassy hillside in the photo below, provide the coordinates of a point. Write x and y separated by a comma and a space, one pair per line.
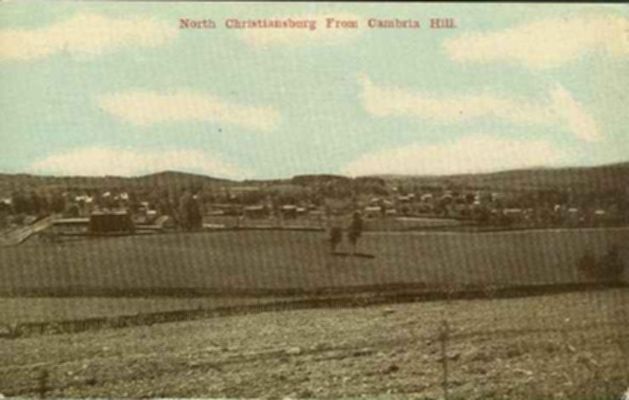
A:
275, 260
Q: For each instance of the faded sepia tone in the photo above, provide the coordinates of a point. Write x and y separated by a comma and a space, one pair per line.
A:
245, 200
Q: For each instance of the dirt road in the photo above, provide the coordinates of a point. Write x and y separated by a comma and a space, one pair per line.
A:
18, 235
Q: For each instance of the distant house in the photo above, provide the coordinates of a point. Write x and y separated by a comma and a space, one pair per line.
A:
165, 222
600, 215
215, 213
289, 211
574, 216
512, 211
406, 199
110, 222
373, 211
516, 214
426, 198
225, 209
447, 198
255, 212
425, 207
317, 214
84, 199
145, 216
481, 198
5, 204
69, 226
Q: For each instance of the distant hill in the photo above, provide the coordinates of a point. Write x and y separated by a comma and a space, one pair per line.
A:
580, 179
313, 179
175, 178
12, 182
598, 178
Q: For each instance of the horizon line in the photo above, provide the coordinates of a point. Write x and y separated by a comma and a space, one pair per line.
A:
384, 174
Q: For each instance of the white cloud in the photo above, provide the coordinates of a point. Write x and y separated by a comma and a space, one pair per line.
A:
292, 37
578, 121
546, 43
470, 154
100, 161
145, 108
559, 109
83, 35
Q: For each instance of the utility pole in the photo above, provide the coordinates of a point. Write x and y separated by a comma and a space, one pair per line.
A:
444, 336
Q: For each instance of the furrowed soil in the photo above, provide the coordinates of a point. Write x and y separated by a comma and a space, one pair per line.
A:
15, 310
568, 346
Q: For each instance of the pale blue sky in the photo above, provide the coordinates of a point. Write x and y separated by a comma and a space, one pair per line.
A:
117, 88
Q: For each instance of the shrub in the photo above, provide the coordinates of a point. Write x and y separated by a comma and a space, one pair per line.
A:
587, 265
607, 269
336, 236
612, 265
355, 229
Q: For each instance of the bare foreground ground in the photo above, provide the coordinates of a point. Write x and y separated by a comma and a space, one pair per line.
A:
572, 346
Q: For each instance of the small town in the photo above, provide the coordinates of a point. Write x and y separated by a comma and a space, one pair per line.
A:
308, 202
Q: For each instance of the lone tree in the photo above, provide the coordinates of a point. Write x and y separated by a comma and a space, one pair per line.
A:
355, 230
190, 212
336, 237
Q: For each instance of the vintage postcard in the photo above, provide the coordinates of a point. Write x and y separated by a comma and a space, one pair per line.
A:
314, 200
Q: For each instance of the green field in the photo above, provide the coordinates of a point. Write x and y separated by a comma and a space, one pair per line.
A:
227, 262
370, 224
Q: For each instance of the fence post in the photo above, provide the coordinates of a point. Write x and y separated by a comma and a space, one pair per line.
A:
42, 383
444, 336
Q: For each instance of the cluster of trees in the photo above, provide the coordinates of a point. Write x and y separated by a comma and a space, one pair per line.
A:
354, 232
34, 203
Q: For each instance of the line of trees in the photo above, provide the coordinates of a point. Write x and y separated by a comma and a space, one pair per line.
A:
34, 203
